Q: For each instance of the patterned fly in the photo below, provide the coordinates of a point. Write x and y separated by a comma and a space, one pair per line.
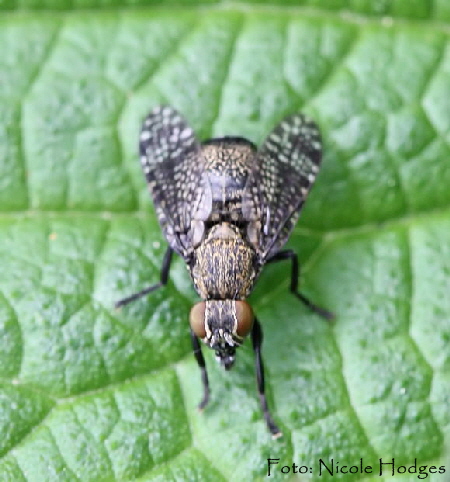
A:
227, 208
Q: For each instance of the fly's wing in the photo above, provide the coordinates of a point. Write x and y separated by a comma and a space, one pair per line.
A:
284, 171
172, 164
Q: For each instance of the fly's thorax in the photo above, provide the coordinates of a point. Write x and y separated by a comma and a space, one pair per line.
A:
223, 326
224, 265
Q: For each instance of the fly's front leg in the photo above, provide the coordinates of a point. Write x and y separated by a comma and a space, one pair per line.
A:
165, 269
197, 349
257, 339
291, 255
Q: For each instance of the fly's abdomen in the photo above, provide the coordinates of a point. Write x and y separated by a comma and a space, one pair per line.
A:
227, 166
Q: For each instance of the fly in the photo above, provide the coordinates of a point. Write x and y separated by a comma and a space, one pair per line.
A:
227, 208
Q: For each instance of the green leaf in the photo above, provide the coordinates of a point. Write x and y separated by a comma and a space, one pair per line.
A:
94, 394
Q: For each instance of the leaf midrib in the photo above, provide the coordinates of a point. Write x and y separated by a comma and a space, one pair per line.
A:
329, 235
343, 15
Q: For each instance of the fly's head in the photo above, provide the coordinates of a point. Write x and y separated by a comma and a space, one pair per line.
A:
223, 326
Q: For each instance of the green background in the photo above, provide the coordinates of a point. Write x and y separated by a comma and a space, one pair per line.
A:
88, 393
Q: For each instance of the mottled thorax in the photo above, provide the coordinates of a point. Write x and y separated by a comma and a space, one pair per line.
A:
224, 265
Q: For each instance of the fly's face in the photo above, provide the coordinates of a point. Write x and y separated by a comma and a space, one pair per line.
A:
223, 326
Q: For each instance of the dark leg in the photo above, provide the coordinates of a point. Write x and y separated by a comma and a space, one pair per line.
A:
257, 338
165, 268
289, 254
201, 363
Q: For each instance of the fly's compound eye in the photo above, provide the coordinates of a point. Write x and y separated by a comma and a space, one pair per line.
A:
197, 319
245, 317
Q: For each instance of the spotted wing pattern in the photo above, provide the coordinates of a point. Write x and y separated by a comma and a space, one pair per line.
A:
173, 165
285, 169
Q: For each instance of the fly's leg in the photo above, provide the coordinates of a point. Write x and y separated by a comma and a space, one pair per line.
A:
257, 339
197, 349
165, 268
291, 255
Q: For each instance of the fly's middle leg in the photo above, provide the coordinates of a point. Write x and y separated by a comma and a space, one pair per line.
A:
164, 278
288, 254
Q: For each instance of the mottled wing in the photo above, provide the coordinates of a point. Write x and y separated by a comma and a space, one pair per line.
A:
172, 164
285, 169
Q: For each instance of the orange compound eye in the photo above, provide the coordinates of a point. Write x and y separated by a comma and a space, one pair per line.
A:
245, 317
197, 319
